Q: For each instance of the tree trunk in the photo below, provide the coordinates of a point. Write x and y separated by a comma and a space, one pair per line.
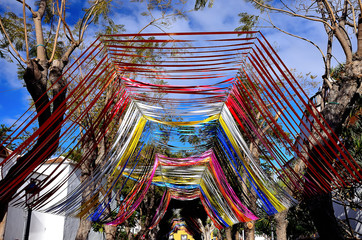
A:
36, 78
341, 99
83, 229
322, 212
37, 19
45, 146
281, 225
249, 230
228, 233
250, 226
2, 227
110, 231
87, 169
359, 37
147, 209
237, 236
219, 235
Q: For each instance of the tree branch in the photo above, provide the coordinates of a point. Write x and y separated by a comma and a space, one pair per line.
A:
360, 5
354, 17
25, 33
60, 12
330, 12
344, 40
338, 31
37, 18
290, 13
11, 44
344, 13
66, 27
42, 6
65, 57
347, 219
286, 6
302, 38
17, 59
85, 19
27, 6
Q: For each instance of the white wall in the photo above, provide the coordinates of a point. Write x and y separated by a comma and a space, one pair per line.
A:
355, 216
45, 226
15, 224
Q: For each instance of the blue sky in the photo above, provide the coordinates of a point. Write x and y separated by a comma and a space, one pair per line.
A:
221, 17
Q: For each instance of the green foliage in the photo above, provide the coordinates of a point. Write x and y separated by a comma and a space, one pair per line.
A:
248, 22
98, 227
337, 72
4, 133
74, 154
265, 226
14, 27
112, 28
200, 4
100, 10
11, 143
49, 11
307, 81
300, 224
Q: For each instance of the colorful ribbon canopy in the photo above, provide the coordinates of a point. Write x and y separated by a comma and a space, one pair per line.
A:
223, 102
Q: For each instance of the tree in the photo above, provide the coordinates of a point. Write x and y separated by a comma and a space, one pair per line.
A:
337, 18
206, 228
4, 132
338, 97
55, 39
42, 68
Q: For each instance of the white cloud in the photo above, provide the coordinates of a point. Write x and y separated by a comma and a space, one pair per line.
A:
8, 121
14, 6
223, 16
9, 74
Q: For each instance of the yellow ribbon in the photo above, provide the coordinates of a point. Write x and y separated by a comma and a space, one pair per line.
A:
133, 143
276, 203
190, 123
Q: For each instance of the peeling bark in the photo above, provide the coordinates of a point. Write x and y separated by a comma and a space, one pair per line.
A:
228, 233
250, 226
249, 231
206, 229
281, 225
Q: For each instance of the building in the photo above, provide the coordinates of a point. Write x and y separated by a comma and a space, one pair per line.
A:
44, 226
181, 234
